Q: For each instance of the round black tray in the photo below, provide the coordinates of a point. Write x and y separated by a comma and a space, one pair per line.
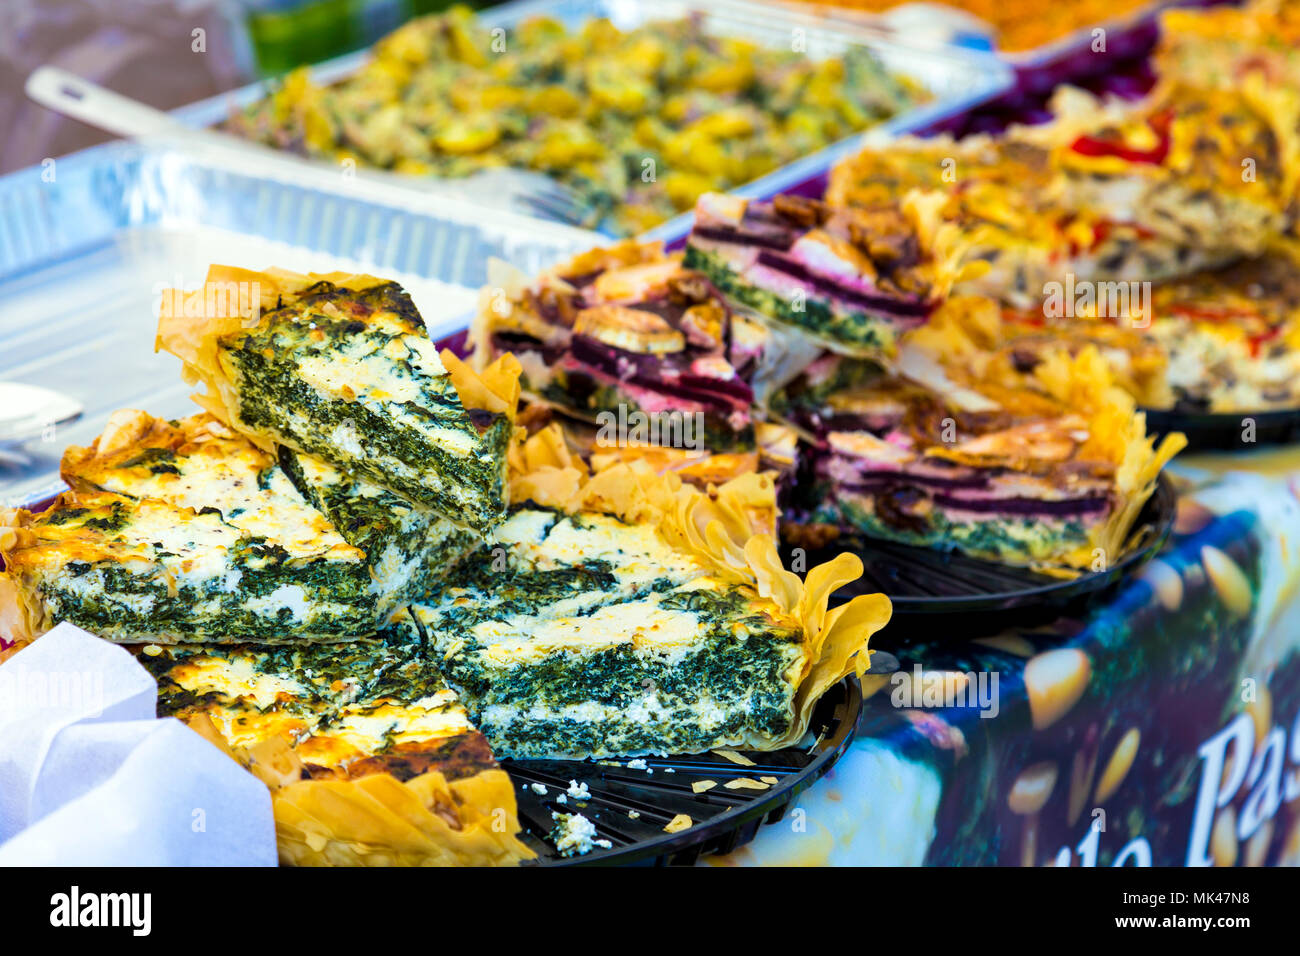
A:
1225, 431
723, 819
923, 583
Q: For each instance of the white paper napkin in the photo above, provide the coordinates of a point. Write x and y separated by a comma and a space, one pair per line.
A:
90, 777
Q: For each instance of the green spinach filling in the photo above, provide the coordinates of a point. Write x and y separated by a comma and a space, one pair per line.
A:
390, 529
731, 681
112, 600
396, 450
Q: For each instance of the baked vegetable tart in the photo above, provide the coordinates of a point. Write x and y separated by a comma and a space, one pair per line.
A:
1220, 46
1221, 341
626, 338
370, 758
340, 367
848, 280
1050, 477
1106, 192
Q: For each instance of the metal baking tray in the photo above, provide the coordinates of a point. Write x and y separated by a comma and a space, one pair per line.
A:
1068, 58
88, 241
957, 79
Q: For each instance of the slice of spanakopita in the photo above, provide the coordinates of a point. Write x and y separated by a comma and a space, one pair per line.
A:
140, 570
370, 758
199, 463
625, 613
341, 367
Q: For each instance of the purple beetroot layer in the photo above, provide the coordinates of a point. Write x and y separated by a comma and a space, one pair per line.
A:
954, 487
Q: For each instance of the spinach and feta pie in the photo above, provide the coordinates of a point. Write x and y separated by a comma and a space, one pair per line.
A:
623, 613
625, 337
1051, 477
199, 463
370, 757
340, 367
849, 280
145, 569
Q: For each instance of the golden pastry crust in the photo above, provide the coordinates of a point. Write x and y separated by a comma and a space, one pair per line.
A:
451, 807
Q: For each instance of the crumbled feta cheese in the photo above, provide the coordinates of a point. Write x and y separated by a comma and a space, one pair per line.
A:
539, 789
578, 791
637, 764
575, 835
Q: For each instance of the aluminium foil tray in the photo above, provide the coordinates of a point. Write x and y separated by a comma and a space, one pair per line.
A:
88, 242
957, 79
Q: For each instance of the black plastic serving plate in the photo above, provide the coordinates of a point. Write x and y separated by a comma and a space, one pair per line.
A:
1227, 431
935, 591
723, 819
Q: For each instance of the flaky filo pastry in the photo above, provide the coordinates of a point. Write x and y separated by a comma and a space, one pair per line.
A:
461, 814
730, 529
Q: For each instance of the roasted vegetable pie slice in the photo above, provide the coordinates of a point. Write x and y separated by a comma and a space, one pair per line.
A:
340, 367
1052, 478
1220, 341
1187, 179
852, 281
147, 569
669, 626
370, 757
625, 337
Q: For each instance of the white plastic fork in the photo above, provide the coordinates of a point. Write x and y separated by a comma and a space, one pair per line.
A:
519, 190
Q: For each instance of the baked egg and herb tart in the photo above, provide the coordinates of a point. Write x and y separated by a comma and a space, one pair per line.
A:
1049, 474
1220, 341
370, 757
340, 367
622, 612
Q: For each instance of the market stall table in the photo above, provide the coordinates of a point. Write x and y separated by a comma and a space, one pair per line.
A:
1157, 731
